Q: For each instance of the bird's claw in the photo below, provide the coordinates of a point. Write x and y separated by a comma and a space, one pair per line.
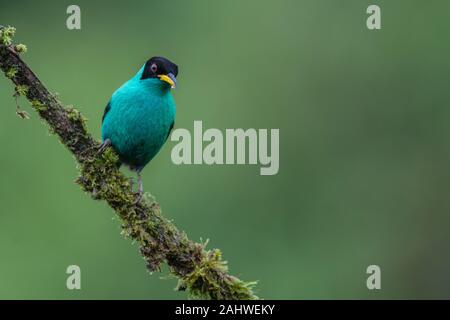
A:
105, 144
140, 189
138, 197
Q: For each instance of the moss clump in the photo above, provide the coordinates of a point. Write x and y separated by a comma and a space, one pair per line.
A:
206, 281
21, 48
6, 35
21, 90
38, 106
11, 73
75, 116
100, 176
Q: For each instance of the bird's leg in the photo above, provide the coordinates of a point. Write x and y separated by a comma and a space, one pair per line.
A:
140, 184
140, 187
105, 144
100, 149
131, 183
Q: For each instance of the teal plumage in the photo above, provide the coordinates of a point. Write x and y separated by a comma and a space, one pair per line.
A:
138, 122
141, 114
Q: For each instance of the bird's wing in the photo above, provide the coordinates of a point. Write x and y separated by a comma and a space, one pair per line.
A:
108, 107
170, 130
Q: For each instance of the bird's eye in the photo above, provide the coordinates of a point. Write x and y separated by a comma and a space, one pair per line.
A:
154, 68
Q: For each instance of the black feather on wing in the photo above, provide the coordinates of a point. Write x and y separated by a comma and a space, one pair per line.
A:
108, 107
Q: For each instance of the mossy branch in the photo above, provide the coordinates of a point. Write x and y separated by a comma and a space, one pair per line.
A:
201, 272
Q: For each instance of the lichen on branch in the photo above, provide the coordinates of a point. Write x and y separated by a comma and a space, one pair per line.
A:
201, 272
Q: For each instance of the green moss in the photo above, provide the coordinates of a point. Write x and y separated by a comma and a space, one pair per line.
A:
205, 281
38, 106
100, 176
6, 35
11, 73
75, 116
21, 48
21, 90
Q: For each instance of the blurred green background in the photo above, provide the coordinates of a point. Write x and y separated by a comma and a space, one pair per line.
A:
364, 146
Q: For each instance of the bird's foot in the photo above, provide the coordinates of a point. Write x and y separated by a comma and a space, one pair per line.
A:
140, 192
105, 144
139, 196
131, 184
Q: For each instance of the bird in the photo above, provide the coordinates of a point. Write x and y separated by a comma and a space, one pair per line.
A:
140, 115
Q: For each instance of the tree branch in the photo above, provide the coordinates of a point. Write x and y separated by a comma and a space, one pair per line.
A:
202, 272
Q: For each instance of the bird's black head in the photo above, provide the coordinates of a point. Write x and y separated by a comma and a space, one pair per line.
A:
162, 68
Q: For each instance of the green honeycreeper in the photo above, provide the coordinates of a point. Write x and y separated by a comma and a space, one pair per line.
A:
140, 115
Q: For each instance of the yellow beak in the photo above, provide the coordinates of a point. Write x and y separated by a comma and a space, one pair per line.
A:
169, 78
